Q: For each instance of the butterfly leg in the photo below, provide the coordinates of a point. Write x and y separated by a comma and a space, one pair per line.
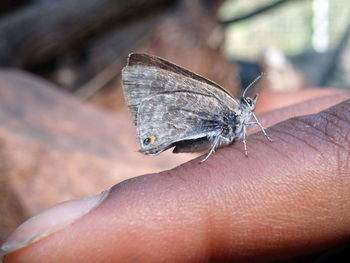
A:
245, 141
213, 147
261, 127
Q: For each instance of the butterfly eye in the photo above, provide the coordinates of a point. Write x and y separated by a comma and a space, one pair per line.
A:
149, 140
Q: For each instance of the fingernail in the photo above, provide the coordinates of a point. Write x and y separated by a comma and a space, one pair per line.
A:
50, 221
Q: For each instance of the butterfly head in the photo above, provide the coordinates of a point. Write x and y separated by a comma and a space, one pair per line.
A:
248, 103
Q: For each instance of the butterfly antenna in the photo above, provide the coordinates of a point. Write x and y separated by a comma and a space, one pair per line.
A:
251, 84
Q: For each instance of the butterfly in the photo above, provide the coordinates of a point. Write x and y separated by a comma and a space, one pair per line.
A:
174, 107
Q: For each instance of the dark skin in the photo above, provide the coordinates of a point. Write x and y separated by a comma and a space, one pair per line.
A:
288, 198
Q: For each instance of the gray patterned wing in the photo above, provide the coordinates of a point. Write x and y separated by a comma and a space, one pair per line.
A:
145, 76
173, 117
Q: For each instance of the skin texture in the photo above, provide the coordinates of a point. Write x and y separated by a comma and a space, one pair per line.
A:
288, 198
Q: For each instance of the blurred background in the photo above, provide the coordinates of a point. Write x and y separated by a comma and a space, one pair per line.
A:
64, 129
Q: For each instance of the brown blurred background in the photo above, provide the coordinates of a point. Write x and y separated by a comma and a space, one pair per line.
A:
64, 129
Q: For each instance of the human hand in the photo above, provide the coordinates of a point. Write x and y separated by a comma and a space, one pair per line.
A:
288, 198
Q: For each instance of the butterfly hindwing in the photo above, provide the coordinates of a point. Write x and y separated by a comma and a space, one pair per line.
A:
180, 116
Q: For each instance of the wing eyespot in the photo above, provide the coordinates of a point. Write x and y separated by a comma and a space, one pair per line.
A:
149, 140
